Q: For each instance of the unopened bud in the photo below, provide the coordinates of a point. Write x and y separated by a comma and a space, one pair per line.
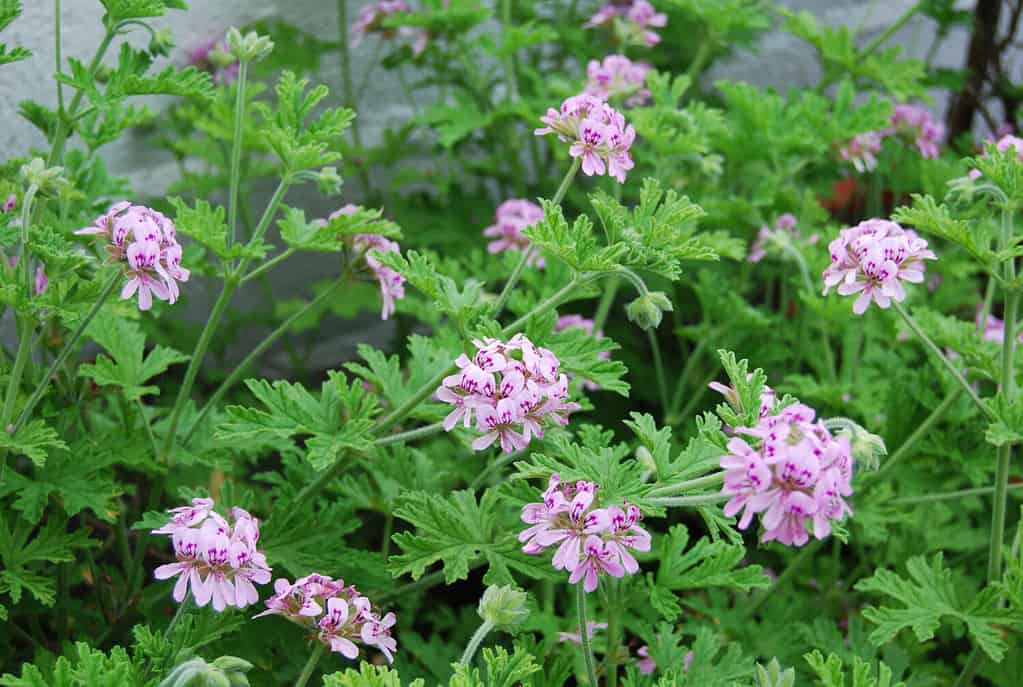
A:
248, 48
328, 181
647, 310
503, 607
774, 676
46, 179
161, 42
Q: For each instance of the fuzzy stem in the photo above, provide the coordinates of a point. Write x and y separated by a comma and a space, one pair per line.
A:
711, 480
509, 286
241, 367
922, 429
933, 347
790, 571
310, 665
410, 435
947, 495
606, 301
703, 53
61, 133
348, 97
264, 221
680, 501
193, 366
268, 265
584, 635
58, 61
662, 383
178, 615
474, 642
891, 30
65, 351
236, 152
614, 631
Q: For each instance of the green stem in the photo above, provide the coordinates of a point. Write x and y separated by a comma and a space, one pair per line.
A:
683, 377
970, 669
410, 435
149, 429
606, 302
236, 152
310, 665
922, 429
711, 480
505, 459
178, 615
947, 495
890, 31
268, 265
474, 642
58, 61
681, 501
662, 383
348, 97
509, 286
60, 135
944, 360
614, 631
266, 343
65, 351
264, 221
700, 59
219, 308
790, 571
985, 311
584, 635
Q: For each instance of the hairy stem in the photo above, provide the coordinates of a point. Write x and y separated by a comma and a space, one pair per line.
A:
236, 152
949, 495
933, 348
662, 382
680, 501
474, 642
310, 665
606, 302
502, 299
584, 635
711, 480
922, 429
614, 632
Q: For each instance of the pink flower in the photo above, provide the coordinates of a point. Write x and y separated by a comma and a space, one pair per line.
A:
41, 280
513, 216
791, 470
597, 132
590, 540
631, 20
212, 57
618, 77
512, 389
9, 204
338, 615
916, 122
147, 241
216, 559
993, 329
1003, 144
777, 238
646, 664
873, 259
862, 151
371, 19
577, 637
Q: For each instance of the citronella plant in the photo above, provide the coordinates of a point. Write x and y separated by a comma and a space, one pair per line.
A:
556, 396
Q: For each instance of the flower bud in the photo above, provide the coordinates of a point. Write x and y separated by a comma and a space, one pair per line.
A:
503, 607
161, 42
226, 671
328, 181
46, 179
647, 310
248, 48
712, 165
774, 676
646, 459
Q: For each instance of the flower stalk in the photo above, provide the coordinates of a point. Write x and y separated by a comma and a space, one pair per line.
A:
474, 642
310, 665
584, 635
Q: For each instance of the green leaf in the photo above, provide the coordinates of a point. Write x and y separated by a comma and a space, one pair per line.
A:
457, 531
34, 440
9, 11
328, 235
421, 271
930, 217
455, 122
831, 672
339, 419
580, 355
928, 596
368, 675
576, 245
21, 555
705, 564
1008, 428
85, 667
500, 669
120, 10
204, 223
77, 478
126, 365
743, 407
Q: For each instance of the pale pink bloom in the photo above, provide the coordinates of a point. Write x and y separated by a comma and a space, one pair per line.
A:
9, 204
513, 216
775, 239
204, 57
917, 122
216, 559
598, 134
370, 20
376, 633
873, 259
646, 664
146, 241
597, 558
512, 389
634, 19
41, 280
618, 77
862, 151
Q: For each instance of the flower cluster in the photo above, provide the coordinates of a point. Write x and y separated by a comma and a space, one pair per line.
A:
784, 232
634, 19
511, 388
371, 19
908, 121
212, 57
513, 216
618, 77
392, 284
591, 540
580, 322
873, 259
1002, 144
339, 614
146, 240
790, 470
216, 558
598, 134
